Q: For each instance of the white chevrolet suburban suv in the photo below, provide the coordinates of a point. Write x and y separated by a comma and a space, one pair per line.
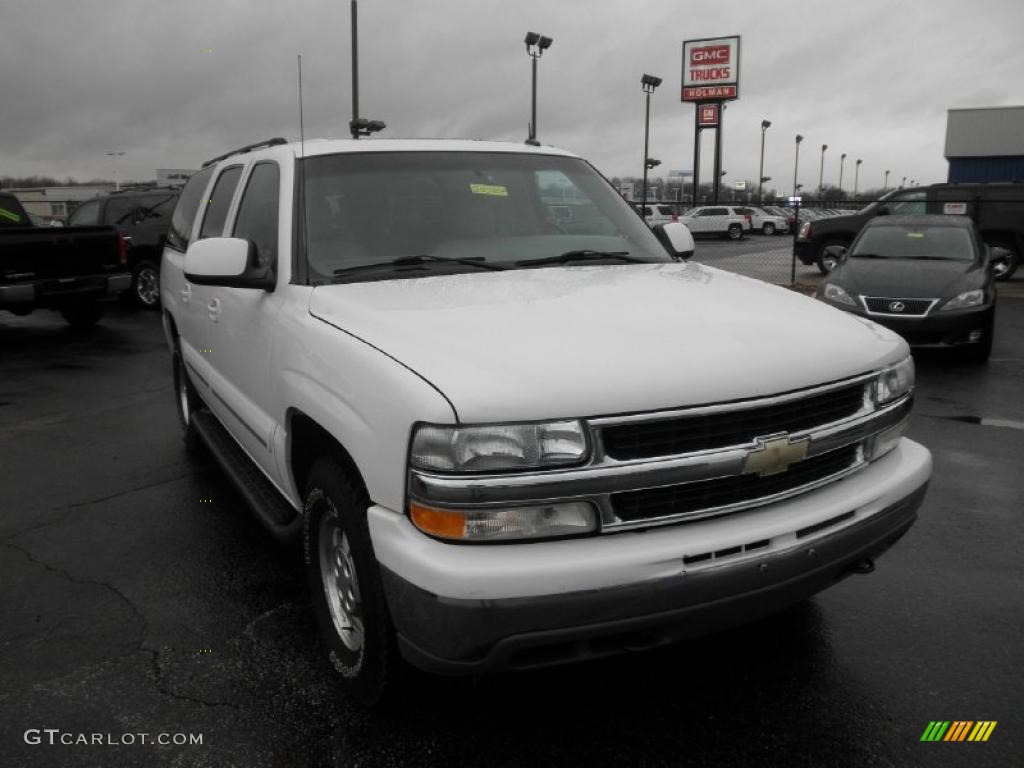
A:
603, 448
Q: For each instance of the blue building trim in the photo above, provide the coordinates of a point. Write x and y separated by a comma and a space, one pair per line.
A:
967, 169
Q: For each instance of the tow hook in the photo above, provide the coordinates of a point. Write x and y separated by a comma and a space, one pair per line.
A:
867, 565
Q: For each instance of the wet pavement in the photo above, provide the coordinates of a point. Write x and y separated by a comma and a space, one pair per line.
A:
140, 596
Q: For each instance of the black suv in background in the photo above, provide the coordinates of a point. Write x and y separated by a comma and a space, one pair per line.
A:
142, 217
996, 208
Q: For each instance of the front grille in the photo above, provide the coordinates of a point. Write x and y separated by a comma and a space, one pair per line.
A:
631, 506
885, 305
686, 434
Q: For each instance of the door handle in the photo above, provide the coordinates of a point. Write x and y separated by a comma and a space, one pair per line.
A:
214, 310
186, 293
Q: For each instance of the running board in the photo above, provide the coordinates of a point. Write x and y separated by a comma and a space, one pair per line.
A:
272, 509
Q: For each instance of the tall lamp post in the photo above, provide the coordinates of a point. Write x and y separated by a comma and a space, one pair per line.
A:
648, 83
856, 176
535, 47
115, 155
821, 173
885, 186
765, 125
903, 183
842, 160
796, 163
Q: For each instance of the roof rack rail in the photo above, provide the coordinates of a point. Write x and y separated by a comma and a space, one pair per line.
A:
247, 148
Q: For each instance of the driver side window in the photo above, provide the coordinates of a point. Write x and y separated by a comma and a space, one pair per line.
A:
258, 212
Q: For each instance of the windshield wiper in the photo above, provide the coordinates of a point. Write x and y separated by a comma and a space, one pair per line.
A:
416, 261
582, 255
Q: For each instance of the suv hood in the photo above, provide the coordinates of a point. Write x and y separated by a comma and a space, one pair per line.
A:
592, 340
908, 278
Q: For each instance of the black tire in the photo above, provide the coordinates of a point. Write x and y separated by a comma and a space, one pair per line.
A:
823, 261
146, 285
768, 228
187, 403
735, 232
81, 316
1004, 268
345, 585
979, 353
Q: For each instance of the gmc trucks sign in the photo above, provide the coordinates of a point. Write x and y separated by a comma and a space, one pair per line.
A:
711, 69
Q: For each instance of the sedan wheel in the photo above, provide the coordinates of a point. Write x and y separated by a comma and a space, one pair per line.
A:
768, 228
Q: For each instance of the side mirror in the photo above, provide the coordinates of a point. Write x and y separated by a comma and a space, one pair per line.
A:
226, 261
676, 238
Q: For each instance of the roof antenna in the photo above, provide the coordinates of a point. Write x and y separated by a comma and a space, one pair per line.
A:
359, 126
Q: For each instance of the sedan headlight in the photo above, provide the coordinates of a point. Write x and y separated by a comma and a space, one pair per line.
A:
838, 294
498, 447
894, 382
966, 299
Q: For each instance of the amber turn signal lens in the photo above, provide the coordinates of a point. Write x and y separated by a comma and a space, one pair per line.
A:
438, 522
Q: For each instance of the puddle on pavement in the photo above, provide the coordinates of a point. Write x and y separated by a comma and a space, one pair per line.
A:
985, 422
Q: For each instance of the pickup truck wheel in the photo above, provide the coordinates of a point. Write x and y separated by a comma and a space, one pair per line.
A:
82, 315
735, 232
768, 228
188, 402
146, 285
826, 263
345, 584
1004, 267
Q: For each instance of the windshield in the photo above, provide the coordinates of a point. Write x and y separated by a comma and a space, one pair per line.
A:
503, 208
915, 242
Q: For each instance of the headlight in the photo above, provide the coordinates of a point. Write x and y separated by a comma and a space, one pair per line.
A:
805, 231
894, 382
966, 299
497, 447
839, 295
540, 521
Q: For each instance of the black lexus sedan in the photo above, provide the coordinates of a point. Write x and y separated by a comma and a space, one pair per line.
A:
926, 277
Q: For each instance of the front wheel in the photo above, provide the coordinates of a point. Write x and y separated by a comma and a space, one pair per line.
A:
146, 285
80, 316
827, 262
768, 228
735, 232
345, 584
187, 402
1006, 263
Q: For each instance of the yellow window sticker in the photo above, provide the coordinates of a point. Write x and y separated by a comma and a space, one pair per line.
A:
916, 235
9, 215
489, 189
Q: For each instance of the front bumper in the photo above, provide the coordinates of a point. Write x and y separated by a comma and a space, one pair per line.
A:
936, 329
464, 609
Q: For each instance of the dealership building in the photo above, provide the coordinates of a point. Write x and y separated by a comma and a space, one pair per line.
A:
985, 144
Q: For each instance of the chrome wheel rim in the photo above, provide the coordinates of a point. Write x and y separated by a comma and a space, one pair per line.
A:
147, 286
341, 586
829, 262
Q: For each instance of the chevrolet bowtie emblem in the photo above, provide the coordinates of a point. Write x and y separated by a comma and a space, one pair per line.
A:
774, 455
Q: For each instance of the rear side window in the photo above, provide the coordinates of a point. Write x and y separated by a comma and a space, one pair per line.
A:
220, 201
257, 213
157, 209
120, 211
86, 215
185, 211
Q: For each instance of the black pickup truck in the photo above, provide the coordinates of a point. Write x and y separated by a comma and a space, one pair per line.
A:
68, 269
997, 209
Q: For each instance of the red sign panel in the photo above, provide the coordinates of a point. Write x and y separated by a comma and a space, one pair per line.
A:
707, 115
709, 54
709, 92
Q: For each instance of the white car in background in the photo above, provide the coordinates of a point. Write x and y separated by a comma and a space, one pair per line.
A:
722, 220
767, 223
659, 214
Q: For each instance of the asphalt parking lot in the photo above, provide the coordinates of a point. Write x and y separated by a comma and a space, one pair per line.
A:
141, 596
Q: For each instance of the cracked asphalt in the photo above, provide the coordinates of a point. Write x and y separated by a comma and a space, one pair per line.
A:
129, 606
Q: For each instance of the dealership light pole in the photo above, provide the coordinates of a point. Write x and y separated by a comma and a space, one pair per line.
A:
903, 183
648, 83
885, 186
535, 47
115, 155
765, 125
856, 176
796, 163
821, 173
842, 159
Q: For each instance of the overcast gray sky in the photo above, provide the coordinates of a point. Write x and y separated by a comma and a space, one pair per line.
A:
872, 79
